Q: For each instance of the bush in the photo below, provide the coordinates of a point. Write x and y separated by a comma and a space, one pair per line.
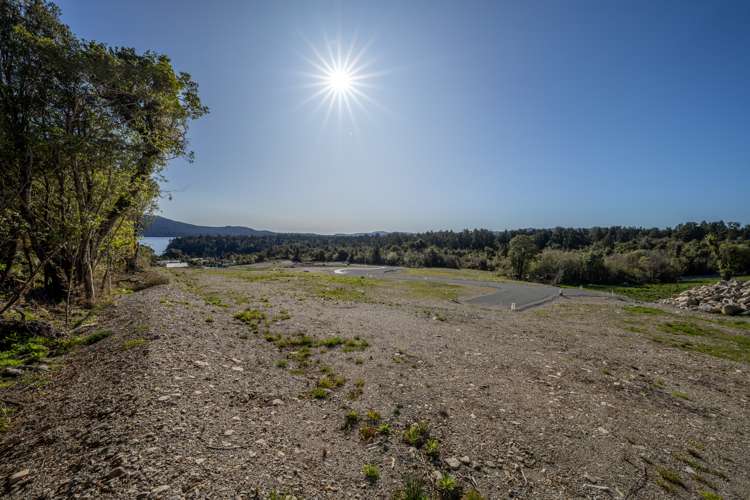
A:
734, 260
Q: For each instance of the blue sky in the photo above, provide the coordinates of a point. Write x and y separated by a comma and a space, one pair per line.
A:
483, 114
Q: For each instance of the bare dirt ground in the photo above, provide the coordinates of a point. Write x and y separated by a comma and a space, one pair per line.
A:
580, 398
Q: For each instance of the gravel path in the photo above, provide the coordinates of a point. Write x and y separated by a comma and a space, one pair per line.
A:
557, 402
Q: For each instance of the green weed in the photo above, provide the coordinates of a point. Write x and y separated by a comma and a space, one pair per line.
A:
371, 472
130, 344
416, 434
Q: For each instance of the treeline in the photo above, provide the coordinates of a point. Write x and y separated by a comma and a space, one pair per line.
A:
559, 255
85, 130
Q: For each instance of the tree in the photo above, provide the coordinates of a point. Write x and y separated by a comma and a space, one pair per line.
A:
521, 250
85, 131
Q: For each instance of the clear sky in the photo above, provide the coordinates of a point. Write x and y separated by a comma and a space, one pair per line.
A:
479, 114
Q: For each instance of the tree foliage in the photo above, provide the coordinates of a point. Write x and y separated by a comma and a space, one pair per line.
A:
559, 255
85, 131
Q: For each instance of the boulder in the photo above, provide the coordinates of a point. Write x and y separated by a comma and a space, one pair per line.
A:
731, 309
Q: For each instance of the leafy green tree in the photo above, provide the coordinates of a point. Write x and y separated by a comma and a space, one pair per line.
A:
85, 131
521, 251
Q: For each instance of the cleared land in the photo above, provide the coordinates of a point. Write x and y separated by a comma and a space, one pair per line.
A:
253, 381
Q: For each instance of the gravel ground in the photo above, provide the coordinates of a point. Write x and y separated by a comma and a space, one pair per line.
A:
184, 400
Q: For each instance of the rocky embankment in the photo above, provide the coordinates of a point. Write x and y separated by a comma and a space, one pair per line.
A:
725, 297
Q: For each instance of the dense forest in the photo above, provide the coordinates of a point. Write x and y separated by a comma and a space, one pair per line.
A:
85, 131
559, 255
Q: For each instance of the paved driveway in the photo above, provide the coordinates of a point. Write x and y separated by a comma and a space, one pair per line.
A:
506, 294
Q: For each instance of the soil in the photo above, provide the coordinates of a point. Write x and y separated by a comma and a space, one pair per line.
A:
572, 399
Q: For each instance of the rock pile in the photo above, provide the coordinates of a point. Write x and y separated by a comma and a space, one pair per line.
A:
725, 297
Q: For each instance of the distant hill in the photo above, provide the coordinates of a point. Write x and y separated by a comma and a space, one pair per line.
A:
161, 226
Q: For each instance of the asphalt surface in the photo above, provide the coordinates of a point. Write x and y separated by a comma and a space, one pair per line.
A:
511, 294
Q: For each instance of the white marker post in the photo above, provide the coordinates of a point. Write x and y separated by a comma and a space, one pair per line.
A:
513, 306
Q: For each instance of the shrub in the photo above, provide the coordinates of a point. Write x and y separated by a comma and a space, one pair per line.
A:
413, 489
448, 487
371, 472
432, 448
417, 434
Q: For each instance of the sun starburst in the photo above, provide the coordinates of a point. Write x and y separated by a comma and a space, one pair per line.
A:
340, 79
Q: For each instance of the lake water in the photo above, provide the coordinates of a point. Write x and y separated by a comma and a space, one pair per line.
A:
157, 243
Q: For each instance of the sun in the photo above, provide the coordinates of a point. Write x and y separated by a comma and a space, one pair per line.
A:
341, 77
339, 81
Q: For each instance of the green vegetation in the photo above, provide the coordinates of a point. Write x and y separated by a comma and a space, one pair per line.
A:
705, 340
709, 495
384, 429
367, 433
351, 419
644, 310
319, 393
413, 489
281, 363
253, 318
331, 381
680, 395
671, 477
371, 472
373, 416
416, 434
432, 448
472, 494
130, 344
86, 128
652, 292
448, 487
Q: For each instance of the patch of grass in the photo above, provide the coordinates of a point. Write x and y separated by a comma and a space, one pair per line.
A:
653, 292
371, 472
329, 342
680, 395
343, 294
351, 419
355, 344
732, 323
367, 433
373, 416
252, 317
67, 344
695, 464
331, 381
214, 300
24, 351
281, 363
431, 290
413, 489
130, 344
709, 495
319, 393
416, 434
671, 477
384, 429
448, 487
705, 340
472, 494
282, 315
644, 310
298, 340
432, 448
